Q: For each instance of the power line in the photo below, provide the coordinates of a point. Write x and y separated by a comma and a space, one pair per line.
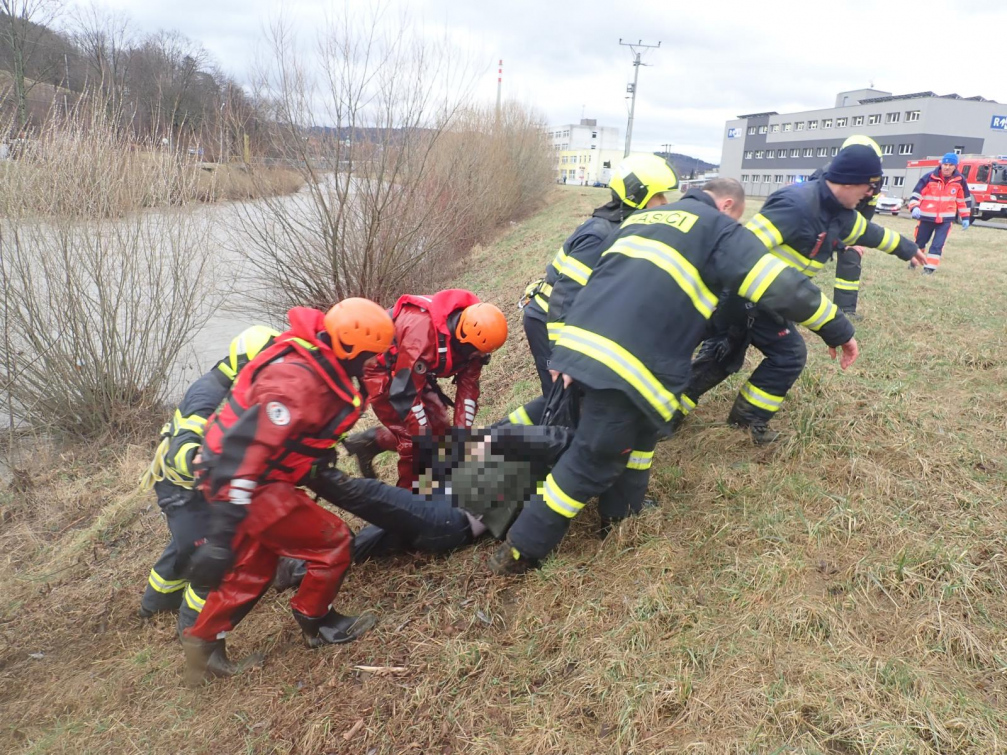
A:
631, 88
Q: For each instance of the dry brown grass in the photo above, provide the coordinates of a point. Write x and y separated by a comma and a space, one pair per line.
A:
229, 182
844, 591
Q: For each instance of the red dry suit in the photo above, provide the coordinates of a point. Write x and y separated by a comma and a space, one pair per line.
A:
286, 410
402, 384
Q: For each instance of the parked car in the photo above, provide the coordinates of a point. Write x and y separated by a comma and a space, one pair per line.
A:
889, 204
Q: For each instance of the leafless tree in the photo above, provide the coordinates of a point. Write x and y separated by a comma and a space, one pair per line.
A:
104, 40
22, 23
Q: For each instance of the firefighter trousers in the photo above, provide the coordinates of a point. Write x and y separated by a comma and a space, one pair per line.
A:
610, 457
188, 518
395, 434
301, 530
538, 341
782, 347
847, 286
935, 234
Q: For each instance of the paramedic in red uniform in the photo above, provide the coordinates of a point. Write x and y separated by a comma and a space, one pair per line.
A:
937, 199
285, 412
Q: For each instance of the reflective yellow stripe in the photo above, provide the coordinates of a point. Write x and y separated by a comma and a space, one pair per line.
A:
641, 460
163, 585
544, 304
519, 417
622, 363
302, 342
683, 272
227, 371
559, 501
192, 600
845, 285
758, 397
797, 260
764, 229
761, 277
859, 227
179, 463
890, 241
576, 270
554, 330
193, 423
826, 312
545, 289
686, 404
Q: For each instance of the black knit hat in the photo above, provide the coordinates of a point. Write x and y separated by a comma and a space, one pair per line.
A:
856, 164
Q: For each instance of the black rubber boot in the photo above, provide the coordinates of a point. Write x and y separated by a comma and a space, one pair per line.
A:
507, 561
742, 415
364, 446
289, 573
206, 660
333, 628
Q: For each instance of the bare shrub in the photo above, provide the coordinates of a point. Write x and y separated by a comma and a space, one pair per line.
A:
98, 297
402, 174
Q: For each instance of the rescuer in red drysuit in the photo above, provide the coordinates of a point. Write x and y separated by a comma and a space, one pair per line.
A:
285, 413
449, 334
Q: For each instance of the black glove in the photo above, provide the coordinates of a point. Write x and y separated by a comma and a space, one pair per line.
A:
209, 565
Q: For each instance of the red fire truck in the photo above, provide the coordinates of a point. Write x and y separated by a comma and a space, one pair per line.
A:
986, 176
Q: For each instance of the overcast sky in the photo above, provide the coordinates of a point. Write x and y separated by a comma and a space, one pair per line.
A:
718, 58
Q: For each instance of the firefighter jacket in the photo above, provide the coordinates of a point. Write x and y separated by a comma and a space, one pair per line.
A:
182, 436
940, 199
644, 311
425, 349
286, 411
804, 224
550, 298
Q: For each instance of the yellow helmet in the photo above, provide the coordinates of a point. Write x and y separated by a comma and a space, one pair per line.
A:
864, 140
245, 348
640, 177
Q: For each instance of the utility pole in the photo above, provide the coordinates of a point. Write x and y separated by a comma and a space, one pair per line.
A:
631, 89
499, 88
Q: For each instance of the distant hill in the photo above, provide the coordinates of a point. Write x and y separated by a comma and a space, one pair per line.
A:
687, 166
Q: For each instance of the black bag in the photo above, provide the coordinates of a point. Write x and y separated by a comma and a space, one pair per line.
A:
562, 405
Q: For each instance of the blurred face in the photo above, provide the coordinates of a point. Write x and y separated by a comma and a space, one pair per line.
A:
948, 170
849, 195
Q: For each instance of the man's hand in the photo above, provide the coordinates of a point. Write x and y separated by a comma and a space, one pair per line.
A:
555, 374
966, 223
859, 249
850, 352
209, 565
915, 213
919, 259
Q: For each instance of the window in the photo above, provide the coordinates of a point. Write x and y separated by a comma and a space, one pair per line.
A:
778, 178
781, 154
748, 155
893, 117
795, 152
858, 120
887, 149
966, 169
982, 174
912, 115
770, 154
563, 159
834, 151
755, 178
594, 134
899, 181
765, 179
786, 127
607, 164
959, 150
790, 178
799, 126
905, 149
874, 120
744, 178
763, 129
751, 130
759, 154
827, 123
840, 122
775, 128
812, 125
823, 151
808, 151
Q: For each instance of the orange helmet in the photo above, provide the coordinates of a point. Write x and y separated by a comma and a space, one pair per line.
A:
357, 326
482, 325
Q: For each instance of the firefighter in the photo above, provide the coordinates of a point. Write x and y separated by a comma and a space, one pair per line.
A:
449, 334
849, 259
801, 225
938, 198
641, 182
171, 476
285, 413
630, 354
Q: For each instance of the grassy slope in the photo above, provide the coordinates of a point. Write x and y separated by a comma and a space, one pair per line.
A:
840, 592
